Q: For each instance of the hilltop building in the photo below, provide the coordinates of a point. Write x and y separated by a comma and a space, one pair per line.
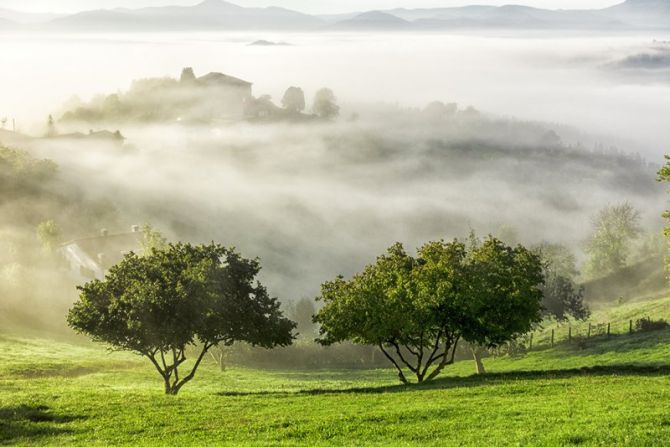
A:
219, 96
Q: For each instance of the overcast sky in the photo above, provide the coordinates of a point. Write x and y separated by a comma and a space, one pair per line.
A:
310, 6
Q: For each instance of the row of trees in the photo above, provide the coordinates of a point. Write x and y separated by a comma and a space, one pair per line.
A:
324, 106
175, 300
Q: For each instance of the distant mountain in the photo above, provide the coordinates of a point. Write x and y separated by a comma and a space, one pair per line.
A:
210, 15
374, 21
219, 15
26, 18
646, 13
515, 17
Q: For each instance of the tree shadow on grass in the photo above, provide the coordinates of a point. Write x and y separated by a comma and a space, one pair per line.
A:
475, 380
30, 422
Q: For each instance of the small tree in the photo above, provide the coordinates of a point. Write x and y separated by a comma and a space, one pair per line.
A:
179, 297
51, 127
152, 239
302, 312
325, 104
562, 297
614, 229
49, 235
294, 100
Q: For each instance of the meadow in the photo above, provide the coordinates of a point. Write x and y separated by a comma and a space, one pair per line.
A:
608, 392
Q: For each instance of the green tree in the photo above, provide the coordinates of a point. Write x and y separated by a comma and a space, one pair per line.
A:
294, 100
183, 296
49, 235
417, 309
325, 104
614, 230
503, 295
302, 312
664, 176
562, 297
152, 239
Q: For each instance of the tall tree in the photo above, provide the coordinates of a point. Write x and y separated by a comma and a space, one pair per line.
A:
294, 100
614, 230
325, 104
562, 297
183, 296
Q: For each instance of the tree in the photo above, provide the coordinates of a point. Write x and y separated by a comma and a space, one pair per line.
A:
325, 104
614, 229
664, 176
49, 235
177, 298
504, 295
302, 312
562, 297
294, 100
417, 309
51, 127
152, 239
187, 76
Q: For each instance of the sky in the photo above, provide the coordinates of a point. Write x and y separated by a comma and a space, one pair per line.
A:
308, 6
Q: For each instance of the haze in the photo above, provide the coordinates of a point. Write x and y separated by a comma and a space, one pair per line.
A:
310, 6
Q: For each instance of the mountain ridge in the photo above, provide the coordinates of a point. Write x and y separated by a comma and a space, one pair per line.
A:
221, 15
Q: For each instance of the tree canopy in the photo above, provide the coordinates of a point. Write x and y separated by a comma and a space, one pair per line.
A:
563, 298
416, 309
294, 100
182, 296
614, 229
325, 104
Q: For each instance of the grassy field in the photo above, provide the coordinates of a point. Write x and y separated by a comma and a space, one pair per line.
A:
617, 315
613, 392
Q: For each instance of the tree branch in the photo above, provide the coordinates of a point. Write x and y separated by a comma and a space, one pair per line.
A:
190, 376
402, 359
401, 375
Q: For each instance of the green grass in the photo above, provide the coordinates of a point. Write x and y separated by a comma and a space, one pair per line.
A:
61, 394
617, 315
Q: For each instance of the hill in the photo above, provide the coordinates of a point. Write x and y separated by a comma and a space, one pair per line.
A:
26, 17
210, 15
374, 21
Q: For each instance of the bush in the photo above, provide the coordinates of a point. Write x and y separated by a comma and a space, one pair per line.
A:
649, 325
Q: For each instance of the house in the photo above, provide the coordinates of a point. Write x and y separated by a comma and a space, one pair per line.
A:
90, 258
218, 96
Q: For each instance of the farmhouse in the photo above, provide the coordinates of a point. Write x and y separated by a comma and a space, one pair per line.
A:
219, 95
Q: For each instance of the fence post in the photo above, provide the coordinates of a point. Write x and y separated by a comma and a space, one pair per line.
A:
630, 327
608, 330
569, 334
589, 333
552, 338
531, 341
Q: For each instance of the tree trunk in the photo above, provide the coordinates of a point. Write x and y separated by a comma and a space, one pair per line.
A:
477, 354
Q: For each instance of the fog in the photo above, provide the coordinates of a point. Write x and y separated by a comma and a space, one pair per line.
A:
314, 200
570, 79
